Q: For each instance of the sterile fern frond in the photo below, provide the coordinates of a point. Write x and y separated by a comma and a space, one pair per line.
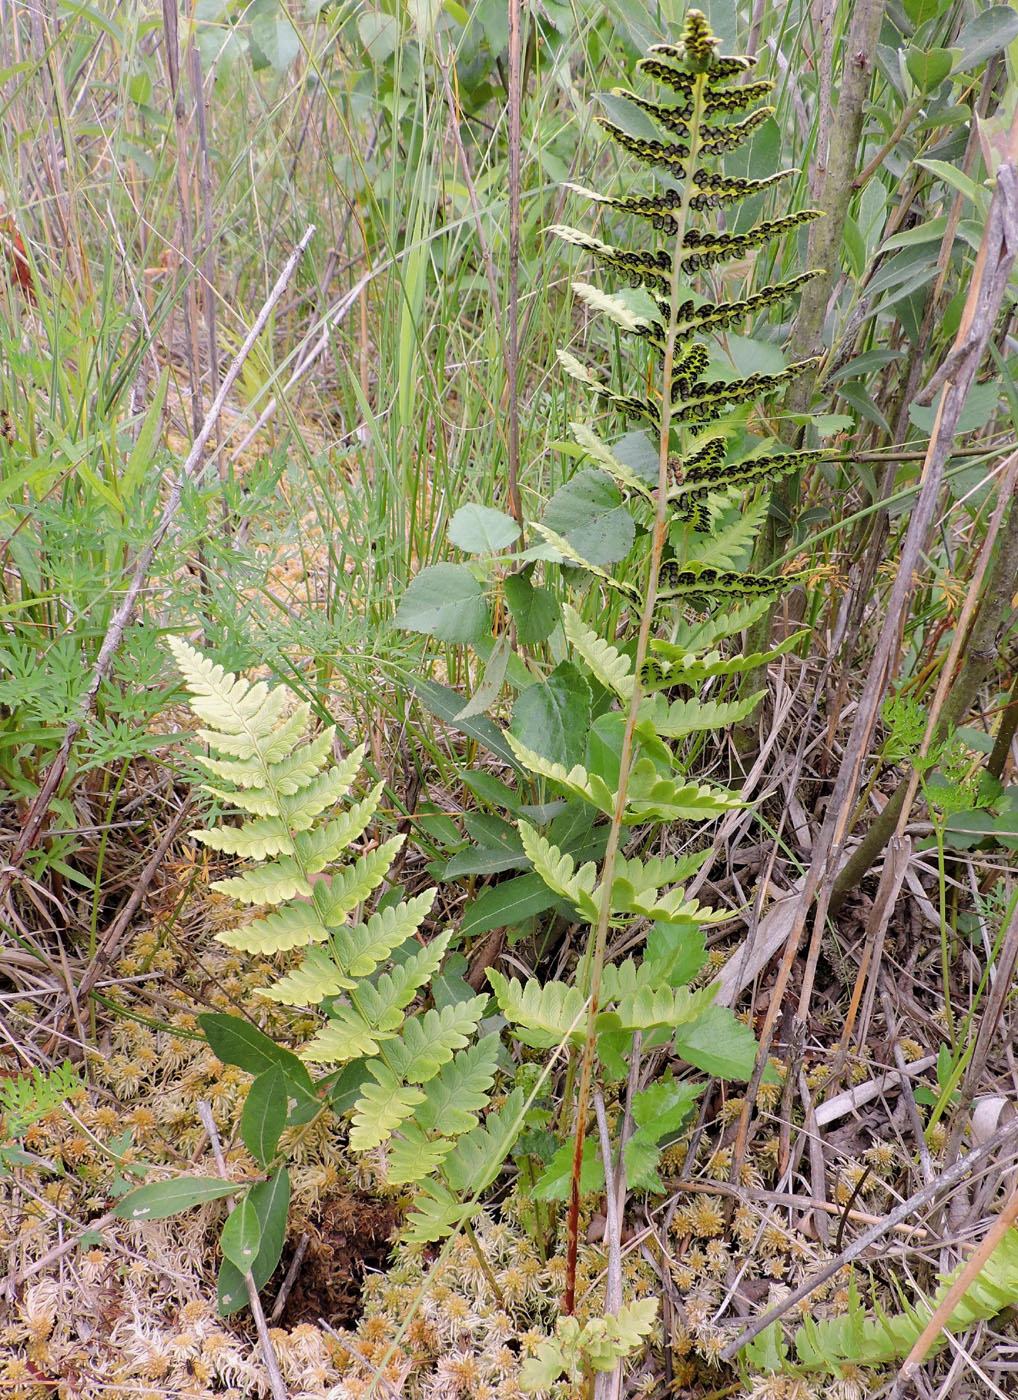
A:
678, 718
558, 871
605, 662
461, 1089
542, 1016
302, 871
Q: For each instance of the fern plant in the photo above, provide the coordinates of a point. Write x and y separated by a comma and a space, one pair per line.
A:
654, 528
863, 1338
414, 1083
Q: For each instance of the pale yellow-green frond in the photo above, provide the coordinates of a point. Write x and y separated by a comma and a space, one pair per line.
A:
606, 663
558, 871
427, 1042
384, 1104
461, 1089
542, 1016
575, 780
326, 843
317, 977
293, 926
255, 839
411, 1156
272, 883
336, 896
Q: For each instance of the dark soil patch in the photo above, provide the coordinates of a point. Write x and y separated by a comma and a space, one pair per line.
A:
351, 1238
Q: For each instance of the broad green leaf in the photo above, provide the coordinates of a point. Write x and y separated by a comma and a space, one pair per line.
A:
928, 69
242, 1235
535, 610
264, 1115
275, 38
919, 11
718, 1044
552, 717
481, 530
588, 512
237, 1042
163, 1198
984, 35
447, 602
554, 1182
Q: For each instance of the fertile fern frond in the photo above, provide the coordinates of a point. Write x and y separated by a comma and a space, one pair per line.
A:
676, 666
708, 584
712, 116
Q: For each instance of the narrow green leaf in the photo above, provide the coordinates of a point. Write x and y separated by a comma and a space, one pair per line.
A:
242, 1235
490, 688
445, 704
447, 602
271, 1201
264, 1115
506, 905
163, 1198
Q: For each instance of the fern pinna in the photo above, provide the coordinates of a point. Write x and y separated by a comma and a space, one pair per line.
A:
673, 319
416, 1083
